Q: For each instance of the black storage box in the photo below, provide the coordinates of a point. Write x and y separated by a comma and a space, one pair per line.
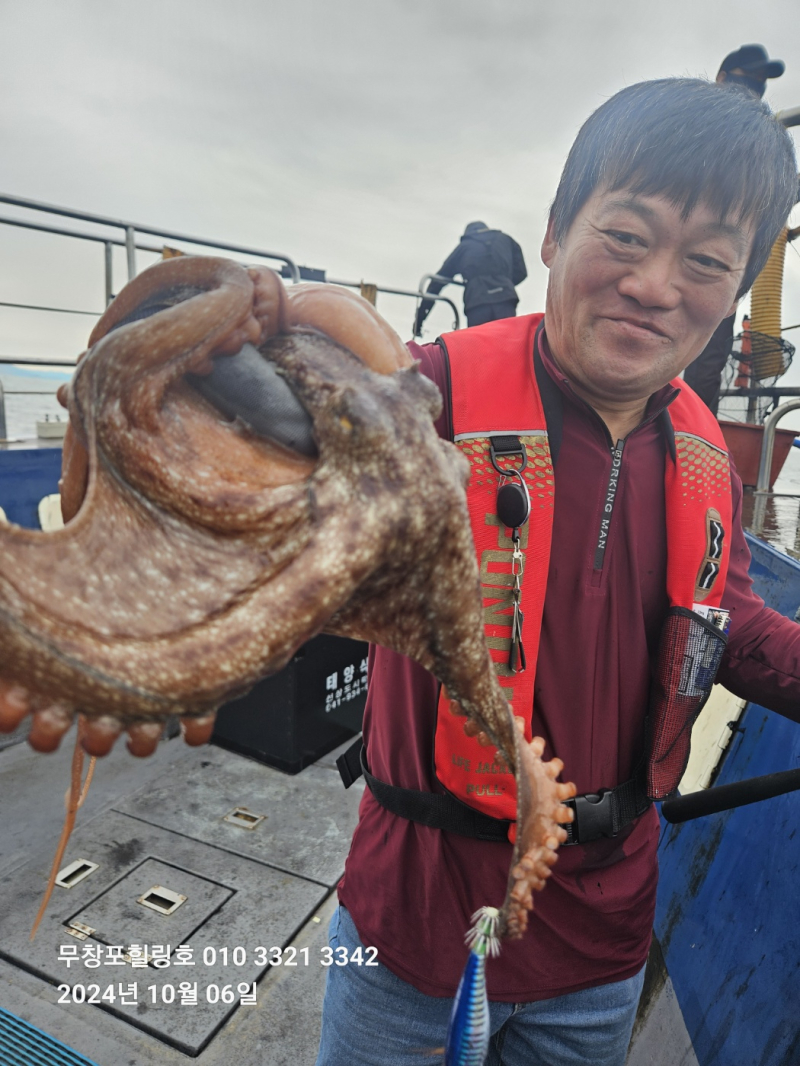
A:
314, 704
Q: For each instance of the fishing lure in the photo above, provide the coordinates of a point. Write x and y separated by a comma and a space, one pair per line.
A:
468, 1032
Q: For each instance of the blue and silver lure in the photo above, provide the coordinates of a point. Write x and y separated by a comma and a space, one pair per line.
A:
468, 1032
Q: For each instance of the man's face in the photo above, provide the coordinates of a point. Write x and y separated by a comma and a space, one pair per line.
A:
636, 291
738, 78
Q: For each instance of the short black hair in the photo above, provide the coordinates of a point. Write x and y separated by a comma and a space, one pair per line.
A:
689, 141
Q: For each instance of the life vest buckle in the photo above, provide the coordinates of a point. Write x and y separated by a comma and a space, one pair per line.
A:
594, 816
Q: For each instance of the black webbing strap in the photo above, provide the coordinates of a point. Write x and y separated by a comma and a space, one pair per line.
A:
349, 763
597, 815
428, 808
436, 811
503, 445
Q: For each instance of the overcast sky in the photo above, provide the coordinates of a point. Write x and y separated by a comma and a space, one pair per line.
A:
359, 136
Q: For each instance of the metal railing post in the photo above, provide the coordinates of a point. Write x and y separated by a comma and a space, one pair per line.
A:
436, 299
130, 248
765, 462
109, 272
439, 277
422, 295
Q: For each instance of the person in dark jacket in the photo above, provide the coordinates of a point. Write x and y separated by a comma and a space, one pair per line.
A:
491, 263
747, 70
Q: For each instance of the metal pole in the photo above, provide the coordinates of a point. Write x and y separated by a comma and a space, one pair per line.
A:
130, 248
157, 248
765, 462
109, 272
727, 797
422, 295
790, 116
425, 296
3, 432
403, 292
439, 277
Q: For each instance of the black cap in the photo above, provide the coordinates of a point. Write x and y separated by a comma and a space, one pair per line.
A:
753, 59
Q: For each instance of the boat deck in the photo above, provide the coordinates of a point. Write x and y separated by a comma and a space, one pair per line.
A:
160, 822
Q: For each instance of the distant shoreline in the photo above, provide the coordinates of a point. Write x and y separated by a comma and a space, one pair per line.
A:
49, 378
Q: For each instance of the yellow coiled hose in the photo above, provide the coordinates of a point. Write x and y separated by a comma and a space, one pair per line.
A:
765, 314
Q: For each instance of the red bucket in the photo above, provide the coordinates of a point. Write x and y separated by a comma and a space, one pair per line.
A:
744, 442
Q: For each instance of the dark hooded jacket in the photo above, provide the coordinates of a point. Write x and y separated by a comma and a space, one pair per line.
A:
490, 262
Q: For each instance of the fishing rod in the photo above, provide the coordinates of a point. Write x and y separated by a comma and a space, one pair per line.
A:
727, 797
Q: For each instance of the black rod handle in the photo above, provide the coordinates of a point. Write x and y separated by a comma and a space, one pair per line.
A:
726, 797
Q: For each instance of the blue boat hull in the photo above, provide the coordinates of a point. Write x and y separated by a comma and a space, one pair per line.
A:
728, 913
27, 474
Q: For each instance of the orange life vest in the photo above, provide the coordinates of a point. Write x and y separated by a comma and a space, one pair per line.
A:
698, 503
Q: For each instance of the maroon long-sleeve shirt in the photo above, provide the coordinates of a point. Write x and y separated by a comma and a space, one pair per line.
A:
411, 890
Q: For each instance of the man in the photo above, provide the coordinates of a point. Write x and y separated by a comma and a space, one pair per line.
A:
656, 230
491, 264
747, 70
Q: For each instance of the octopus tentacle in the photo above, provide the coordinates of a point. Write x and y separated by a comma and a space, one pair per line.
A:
198, 554
541, 815
73, 802
197, 731
49, 725
15, 706
100, 734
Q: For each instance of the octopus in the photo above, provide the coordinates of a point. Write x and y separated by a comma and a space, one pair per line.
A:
212, 528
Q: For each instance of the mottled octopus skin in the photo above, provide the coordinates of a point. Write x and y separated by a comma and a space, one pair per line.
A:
197, 557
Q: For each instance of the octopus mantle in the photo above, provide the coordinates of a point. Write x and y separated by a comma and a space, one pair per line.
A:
198, 555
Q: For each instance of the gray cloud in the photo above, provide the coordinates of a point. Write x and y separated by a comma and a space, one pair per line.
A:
358, 136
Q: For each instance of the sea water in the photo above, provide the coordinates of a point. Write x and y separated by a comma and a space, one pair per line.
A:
30, 398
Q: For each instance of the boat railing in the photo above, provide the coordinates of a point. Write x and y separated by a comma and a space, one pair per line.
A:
132, 236
132, 244
423, 295
762, 489
790, 116
130, 231
437, 277
417, 294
